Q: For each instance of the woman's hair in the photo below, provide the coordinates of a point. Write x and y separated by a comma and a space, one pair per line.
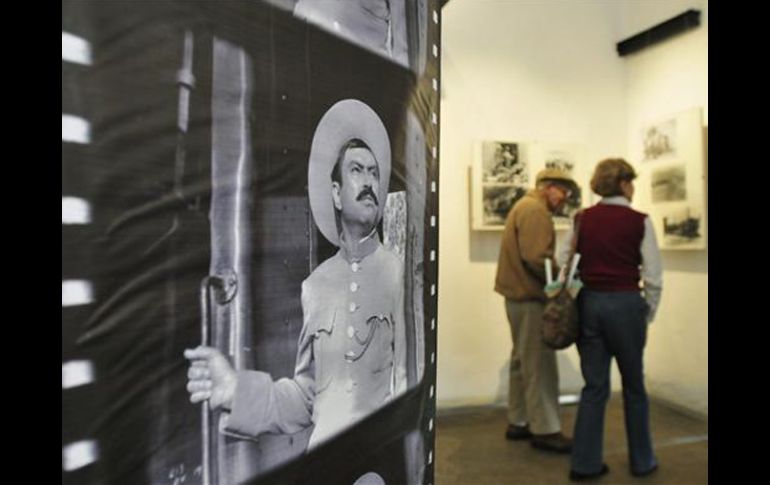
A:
608, 175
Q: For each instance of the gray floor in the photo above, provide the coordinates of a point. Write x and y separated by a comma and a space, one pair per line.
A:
471, 449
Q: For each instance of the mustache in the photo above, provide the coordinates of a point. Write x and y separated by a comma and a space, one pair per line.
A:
367, 191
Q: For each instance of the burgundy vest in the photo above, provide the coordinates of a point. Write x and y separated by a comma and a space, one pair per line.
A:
609, 246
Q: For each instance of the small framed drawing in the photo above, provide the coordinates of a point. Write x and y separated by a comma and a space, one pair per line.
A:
659, 140
568, 158
672, 180
500, 176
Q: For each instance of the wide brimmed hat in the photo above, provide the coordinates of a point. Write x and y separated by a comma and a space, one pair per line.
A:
347, 119
555, 175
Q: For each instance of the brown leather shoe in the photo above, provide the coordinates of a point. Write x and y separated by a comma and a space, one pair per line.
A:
516, 433
555, 442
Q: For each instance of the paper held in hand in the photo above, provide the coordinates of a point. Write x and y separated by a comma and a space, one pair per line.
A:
552, 287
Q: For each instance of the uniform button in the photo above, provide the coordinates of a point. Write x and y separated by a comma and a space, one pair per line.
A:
353, 307
381, 316
350, 355
355, 266
354, 287
350, 385
351, 332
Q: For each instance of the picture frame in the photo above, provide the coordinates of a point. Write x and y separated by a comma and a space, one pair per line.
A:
500, 176
568, 157
672, 182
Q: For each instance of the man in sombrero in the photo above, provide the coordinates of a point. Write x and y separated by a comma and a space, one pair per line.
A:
351, 357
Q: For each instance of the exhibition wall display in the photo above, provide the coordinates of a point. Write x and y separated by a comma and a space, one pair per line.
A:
249, 241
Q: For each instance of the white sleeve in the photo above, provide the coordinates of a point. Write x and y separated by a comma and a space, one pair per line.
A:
563, 254
652, 270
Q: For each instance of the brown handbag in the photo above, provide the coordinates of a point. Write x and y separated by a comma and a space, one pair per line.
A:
560, 327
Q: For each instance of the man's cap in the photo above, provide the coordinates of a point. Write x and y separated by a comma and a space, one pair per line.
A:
555, 175
344, 121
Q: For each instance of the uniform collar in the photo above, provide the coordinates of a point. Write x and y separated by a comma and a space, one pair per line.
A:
363, 248
615, 200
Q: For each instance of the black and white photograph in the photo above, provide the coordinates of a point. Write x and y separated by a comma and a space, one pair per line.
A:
672, 183
561, 161
247, 300
682, 227
502, 164
660, 140
499, 177
669, 184
351, 356
394, 29
498, 201
394, 224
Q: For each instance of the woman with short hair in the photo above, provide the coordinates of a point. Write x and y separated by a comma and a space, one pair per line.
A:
617, 248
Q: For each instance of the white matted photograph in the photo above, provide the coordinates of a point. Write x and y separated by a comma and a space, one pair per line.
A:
682, 227
660, 140
669, 184
500, 176
567, 157
672, 185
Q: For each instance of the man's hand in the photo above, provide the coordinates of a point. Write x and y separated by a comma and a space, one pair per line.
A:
211, 377
574, 288
553, 289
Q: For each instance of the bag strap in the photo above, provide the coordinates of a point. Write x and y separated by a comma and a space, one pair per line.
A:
575, 234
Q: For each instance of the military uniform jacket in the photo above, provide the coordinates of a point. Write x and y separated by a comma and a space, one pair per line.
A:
351, 358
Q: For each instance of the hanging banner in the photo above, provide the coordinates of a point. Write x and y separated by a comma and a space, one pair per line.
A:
249, 241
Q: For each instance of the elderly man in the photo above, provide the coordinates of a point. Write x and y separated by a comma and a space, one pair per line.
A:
351, 357
528, 241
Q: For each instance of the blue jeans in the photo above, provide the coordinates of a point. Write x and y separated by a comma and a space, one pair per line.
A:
612, 324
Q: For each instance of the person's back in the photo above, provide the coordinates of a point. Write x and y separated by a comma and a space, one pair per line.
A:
617, 249
528, 239
528, 242
608, 244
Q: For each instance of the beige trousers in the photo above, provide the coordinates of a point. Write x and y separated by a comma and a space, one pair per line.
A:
533, 392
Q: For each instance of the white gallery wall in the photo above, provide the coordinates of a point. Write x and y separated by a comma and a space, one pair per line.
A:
547, 70
661, 81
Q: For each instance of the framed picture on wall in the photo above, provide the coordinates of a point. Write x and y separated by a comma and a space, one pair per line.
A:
659, 140
500, 176
567, 157
672, 181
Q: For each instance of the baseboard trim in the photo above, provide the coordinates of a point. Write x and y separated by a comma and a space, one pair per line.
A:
679, 408
454, 409
469, 407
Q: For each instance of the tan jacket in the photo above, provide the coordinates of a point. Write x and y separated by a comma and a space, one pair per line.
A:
528, 240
